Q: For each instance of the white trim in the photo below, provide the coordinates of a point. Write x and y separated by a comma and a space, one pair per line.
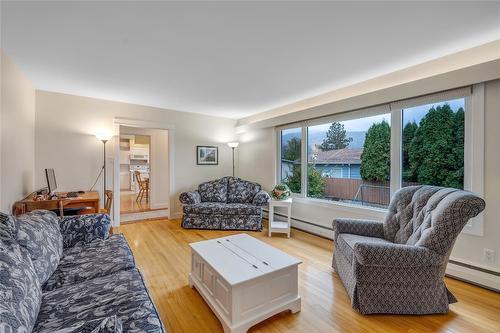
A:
396, 145
158, 206
474, 154
131, 122
446, 95
303, 166
350, 115
339, 205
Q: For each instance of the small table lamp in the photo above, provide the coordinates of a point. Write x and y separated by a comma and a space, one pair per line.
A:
233, 145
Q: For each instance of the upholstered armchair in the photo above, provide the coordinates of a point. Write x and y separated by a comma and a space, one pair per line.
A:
398, 266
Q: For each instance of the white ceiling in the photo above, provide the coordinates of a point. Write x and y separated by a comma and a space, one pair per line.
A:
230, 59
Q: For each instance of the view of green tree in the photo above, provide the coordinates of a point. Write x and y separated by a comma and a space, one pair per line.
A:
436, 150
316, 183
291, 150
408, 135
336, 138
376, 156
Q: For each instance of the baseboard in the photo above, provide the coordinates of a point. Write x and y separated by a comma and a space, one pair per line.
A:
471, 275
158, 206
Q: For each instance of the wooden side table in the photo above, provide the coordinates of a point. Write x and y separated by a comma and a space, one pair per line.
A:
279, 224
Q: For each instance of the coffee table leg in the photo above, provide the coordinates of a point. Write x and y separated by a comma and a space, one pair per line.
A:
296, 306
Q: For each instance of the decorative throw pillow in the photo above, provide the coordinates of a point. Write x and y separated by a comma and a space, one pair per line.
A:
20, 291
214, 191
38, 232
241, 191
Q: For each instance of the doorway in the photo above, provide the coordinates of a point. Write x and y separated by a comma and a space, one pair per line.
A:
143, 173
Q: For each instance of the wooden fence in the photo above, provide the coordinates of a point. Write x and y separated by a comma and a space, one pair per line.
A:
364, 192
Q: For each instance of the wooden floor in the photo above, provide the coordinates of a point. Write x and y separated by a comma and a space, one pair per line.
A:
129, 203
163, 255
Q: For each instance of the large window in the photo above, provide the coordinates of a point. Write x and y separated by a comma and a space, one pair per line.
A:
433, 144
362, 157
349, 161
291, 148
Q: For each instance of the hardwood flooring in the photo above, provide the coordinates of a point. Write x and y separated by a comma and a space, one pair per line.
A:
163, 255
129, 203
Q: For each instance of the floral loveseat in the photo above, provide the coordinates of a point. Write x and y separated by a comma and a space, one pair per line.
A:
228, 203
69, 275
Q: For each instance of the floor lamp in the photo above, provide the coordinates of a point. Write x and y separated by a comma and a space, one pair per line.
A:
233, 145
104, 138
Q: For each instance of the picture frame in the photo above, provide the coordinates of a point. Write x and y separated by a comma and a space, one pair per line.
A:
207, 155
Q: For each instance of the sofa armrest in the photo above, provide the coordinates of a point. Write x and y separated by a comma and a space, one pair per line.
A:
81, 229
190, 198
358, 227
261, 198
395, 255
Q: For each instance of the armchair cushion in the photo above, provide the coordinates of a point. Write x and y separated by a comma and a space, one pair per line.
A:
190, 198
81, 229
241, 191
345, 243
20, 292
395, 255
214, 191
261, 198
38, 232
359, 227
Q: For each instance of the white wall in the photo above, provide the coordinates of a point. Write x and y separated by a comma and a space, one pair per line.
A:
17, 134
159, 168
257, 162
65, 127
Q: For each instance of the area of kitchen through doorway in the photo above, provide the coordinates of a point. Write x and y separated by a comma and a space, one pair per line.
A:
143, 173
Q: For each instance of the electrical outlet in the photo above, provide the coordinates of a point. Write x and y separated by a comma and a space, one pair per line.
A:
489, 256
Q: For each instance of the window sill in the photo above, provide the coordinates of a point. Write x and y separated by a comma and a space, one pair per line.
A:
341, 205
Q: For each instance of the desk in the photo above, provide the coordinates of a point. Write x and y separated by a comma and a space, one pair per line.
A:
87, 199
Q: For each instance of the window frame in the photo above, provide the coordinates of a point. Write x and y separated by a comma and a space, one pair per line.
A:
473, 145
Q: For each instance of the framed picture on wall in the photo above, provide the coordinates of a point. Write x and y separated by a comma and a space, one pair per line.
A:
207, 155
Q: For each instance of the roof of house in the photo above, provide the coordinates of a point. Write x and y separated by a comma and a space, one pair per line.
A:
338, 156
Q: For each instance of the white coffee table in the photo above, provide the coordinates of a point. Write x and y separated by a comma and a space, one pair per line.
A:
244, 280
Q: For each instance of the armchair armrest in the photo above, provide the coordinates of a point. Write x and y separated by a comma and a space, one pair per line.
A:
358, 227
395, 255
81, 229
190, 198
261, 198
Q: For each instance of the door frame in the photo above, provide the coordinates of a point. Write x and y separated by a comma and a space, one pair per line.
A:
147, 124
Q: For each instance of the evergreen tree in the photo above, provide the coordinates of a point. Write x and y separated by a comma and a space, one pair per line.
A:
291, 150
436, 151
315, 182
376, 156
336, 138
408, 135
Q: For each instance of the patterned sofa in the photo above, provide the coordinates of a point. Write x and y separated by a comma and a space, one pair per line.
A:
398, 266
228, 203
69, 275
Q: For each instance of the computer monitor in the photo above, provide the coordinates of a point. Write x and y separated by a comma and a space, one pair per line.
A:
51, 180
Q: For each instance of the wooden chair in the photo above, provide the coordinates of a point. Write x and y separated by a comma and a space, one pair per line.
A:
107, 204
143, 186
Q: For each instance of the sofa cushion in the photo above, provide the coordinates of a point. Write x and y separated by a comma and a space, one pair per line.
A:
122, 294
213, 191
204, 208
241, 191
38, 232
107, 325
20, 292
91, 260
222, 209
346, 242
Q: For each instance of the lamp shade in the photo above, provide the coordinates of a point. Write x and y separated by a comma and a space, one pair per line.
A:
233, 144
103, 136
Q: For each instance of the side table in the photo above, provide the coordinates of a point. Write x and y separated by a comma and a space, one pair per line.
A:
279, 224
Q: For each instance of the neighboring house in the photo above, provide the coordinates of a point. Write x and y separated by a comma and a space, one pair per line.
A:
340, 163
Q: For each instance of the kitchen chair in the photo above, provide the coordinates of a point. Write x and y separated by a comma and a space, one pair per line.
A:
107, 204
143, 187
